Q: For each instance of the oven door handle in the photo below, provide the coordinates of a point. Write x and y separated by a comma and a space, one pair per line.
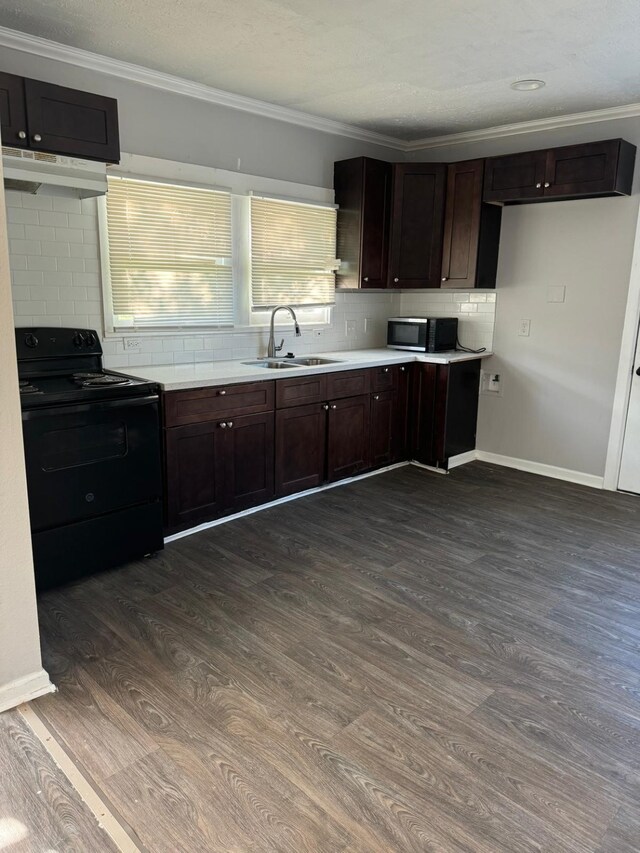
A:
93, 408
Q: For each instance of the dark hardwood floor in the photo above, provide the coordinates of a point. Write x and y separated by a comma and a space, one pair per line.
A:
412, 662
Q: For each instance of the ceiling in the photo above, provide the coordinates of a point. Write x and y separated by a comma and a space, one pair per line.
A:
405, 68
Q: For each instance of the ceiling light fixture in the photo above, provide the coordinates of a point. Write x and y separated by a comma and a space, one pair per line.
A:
527, 85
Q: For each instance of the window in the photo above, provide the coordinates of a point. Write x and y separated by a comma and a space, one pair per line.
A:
293, 248
169, 255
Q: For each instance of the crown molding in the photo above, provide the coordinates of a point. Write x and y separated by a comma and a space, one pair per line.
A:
38, 46
16, 40
531, 126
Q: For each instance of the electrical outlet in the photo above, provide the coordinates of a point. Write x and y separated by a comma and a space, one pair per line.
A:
133, 344
491, 383
349, 327
524, 329
556, 293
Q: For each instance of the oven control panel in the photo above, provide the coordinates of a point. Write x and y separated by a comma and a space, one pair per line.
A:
54, 342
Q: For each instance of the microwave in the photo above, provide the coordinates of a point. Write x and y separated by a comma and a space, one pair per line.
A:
422, 334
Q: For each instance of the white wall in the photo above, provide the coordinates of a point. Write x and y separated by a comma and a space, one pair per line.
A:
21, 673
559, 383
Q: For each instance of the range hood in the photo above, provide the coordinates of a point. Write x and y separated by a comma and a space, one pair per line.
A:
52, 174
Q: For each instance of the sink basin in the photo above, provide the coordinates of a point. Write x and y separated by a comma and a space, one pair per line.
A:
314, 361
272, 365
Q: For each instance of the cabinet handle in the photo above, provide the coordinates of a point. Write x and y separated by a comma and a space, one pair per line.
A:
37, 137
396, 280
376, 396
538, 185
385, 369
402, 368
223, 425
22, 134
547, 184
221, 393
333, 406
366, 278
229, 424
326, 407
445, 278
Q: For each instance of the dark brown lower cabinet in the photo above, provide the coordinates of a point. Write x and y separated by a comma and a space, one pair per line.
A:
445, 411
300, 448
348, 437
218, 467
382, 428
401, 412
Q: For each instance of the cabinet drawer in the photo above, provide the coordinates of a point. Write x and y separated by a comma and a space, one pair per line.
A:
347, 383
206, 404
299, 392
383, 378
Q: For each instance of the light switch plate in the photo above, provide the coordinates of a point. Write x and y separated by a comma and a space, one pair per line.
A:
556, 293
524, 329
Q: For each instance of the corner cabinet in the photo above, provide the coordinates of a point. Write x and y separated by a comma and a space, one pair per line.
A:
588, 170
54, 119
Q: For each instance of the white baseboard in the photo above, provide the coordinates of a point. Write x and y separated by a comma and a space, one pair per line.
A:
25, 689
567, 474
462, 459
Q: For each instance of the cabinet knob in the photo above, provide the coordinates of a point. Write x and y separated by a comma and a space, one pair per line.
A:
22, 134
229, 424
385, 369
396, 280
366, 278
223, 425
37, 137
547, 184
333, 406
402, 368
326, 407
445, 278
222, 393
538, 185
376, 396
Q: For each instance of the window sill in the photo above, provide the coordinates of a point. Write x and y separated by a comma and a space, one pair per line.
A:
195, 331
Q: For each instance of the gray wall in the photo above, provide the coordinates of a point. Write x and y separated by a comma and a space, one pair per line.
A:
175, 127
559, 383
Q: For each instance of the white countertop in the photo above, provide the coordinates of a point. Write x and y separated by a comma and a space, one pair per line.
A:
177, 377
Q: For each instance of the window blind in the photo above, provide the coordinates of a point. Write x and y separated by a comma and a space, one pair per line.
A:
293, 248
169, 255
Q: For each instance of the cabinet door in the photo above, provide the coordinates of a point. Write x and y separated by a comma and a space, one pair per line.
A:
515, 177
401, 412
471, 229
457, 409
584, 170
348, 437
416, 225
195, 473
249, 460
382, 424
79, 124
300, 448
363, 195
13, 115
422, 430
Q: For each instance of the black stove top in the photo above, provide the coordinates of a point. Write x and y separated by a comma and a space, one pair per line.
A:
65, 366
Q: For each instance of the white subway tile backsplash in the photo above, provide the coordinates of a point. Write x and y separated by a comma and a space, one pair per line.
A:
56, 281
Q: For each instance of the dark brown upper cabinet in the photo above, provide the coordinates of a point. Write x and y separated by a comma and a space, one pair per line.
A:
58, 120
363, 195
471, 229
417, 218
571, 172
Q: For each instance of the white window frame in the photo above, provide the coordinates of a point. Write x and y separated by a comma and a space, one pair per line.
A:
241, 186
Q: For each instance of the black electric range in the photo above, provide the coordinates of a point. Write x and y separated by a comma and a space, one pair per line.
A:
92, 451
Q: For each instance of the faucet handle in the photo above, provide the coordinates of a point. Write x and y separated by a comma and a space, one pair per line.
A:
278, 349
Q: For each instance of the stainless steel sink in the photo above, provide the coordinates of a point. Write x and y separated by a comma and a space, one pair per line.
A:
272, 365
314, 361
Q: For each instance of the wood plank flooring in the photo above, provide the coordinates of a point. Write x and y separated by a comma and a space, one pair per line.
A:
412, 662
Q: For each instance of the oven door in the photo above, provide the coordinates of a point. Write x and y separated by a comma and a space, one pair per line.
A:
86, 460
407, 334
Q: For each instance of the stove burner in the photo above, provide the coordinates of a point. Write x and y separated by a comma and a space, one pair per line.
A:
101, 381
92, 375
27, 388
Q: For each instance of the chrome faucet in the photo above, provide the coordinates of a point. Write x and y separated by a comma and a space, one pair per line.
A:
272, 349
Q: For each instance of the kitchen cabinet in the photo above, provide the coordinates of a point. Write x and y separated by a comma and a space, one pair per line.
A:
58, 120
382, 428
348, 437
573, 171
445, 411
389, 414
219, 451
417, 218
363, 195
300, 447
390, 220
402, 412
471, 229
